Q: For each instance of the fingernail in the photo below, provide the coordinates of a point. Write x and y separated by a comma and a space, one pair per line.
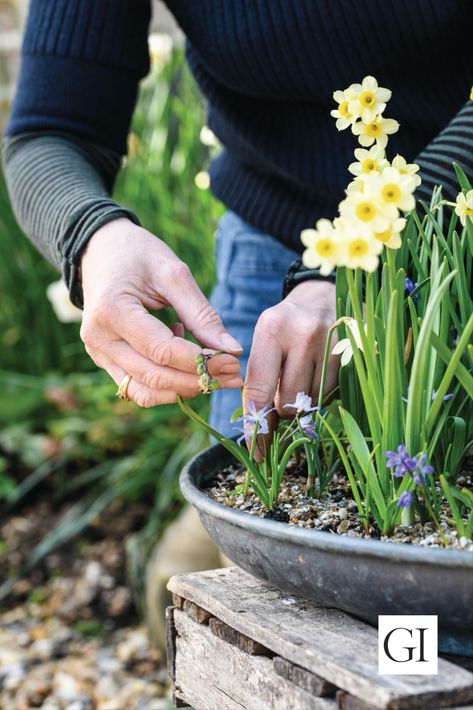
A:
230, 343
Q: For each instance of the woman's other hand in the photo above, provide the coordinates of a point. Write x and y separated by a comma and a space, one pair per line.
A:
288, 349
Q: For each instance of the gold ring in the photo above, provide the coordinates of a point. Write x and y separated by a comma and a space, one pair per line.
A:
122, 392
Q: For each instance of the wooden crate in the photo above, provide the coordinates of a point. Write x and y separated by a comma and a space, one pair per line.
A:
235, 642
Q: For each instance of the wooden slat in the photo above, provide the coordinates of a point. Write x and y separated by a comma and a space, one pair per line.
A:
313, 684
212, 674
226, 633
327, 642
200, 615
171, 655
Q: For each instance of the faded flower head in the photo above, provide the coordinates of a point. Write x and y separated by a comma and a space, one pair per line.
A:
255, 421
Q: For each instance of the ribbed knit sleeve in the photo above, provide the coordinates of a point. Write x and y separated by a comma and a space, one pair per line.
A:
453, 144
59, 188
81, 63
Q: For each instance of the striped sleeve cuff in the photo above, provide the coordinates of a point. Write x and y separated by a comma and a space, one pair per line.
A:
453, 144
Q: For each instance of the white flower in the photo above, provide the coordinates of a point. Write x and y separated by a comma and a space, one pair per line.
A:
369, 99
391, 188
302, 404
391, 237
464, 206
359, 246
365, 207
341, 113
372, 160
377, 130
406, 168
344, 347
208, 137
323, 248
63, 308
202, 180
160, 50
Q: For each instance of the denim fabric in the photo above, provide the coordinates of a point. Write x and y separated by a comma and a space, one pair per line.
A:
251, 266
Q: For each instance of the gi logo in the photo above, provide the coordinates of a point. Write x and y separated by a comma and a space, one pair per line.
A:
407, 645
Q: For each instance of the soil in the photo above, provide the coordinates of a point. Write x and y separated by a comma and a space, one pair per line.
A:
70, 638
335, 512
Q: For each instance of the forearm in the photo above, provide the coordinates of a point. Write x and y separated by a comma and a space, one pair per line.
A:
60, 187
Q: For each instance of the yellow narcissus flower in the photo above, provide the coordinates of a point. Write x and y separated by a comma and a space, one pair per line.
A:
323, 247
369, 99
377, 130
405, 168
372, 160
392, 189
471, 94
341, 113
464, 206
359, 246
364, 207
391, 237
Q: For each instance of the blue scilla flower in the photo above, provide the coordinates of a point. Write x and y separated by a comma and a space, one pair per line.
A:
405, 499
254, 420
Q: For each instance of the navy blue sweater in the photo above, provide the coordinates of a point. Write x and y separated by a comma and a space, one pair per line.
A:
268, 69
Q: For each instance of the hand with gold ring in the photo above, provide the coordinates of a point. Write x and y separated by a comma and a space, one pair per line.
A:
125, 272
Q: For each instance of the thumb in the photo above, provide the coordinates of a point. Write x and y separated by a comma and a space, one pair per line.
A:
199, 316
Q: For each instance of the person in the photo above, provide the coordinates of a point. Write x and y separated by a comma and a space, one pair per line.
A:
268, 70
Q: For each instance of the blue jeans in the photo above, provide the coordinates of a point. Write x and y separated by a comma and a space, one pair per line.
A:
251, 266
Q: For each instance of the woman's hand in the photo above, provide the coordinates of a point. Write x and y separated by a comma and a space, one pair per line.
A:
288, 348
125, 270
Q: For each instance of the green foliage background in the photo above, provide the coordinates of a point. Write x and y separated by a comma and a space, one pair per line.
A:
60, 424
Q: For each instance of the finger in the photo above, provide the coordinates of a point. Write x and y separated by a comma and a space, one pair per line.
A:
157, 377
331, 377
198, 315
142, 395
297, 376
137, 392
152, 339
262, 376
178, 330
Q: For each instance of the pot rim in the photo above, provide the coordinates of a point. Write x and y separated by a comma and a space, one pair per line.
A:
328, 542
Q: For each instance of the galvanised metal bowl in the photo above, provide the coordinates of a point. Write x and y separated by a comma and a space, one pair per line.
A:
362, 577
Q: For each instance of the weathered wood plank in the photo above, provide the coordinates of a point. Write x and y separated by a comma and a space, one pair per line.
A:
212, 674
349, 702
313, 684
196, 612
317, 639
171, 655
226, 633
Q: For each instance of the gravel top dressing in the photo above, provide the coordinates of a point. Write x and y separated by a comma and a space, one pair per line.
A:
335, 512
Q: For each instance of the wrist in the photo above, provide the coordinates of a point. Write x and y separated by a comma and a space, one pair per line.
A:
298, 273
313, 291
